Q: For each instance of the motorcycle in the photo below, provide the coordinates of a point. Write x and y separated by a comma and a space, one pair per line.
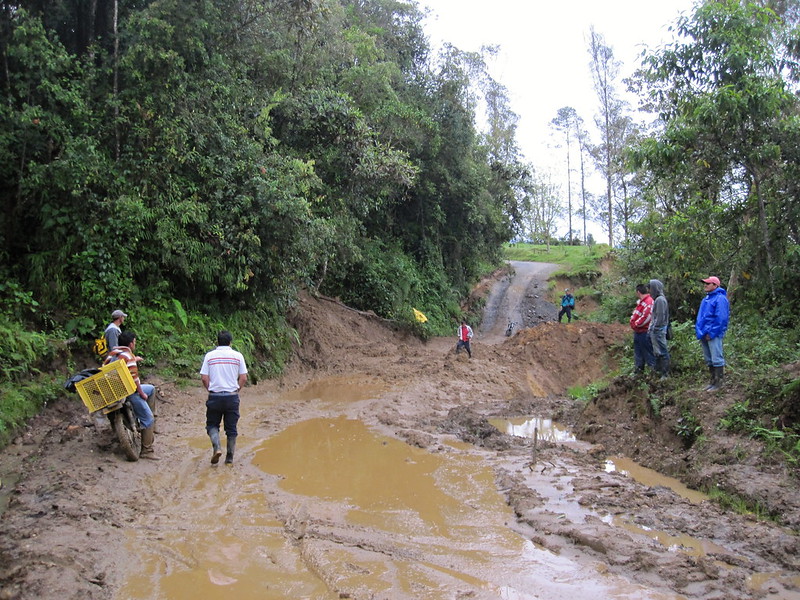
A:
106, 391
510, 328
126, 427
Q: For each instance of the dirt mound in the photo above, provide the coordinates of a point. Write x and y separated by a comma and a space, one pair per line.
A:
558, 356
331, 335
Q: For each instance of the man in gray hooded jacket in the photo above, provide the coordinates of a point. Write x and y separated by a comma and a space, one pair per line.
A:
658, 327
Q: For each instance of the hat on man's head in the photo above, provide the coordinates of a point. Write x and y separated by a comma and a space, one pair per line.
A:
712, 279
117, 314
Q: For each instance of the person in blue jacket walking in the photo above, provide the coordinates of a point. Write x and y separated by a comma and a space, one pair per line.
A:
712, 322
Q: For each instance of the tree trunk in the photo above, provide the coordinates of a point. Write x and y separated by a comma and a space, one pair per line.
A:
762, 218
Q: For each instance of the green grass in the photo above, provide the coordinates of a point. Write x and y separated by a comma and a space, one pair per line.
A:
575, 260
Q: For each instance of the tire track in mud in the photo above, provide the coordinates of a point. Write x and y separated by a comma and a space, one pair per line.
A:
507, 299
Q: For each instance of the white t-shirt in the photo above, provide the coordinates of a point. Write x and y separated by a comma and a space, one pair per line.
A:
223, 365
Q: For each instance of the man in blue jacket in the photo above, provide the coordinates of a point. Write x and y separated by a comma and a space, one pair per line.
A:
712, 322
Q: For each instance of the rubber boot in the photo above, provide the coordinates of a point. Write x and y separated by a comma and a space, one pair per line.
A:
216, 451
718, 375
713, 372
148, 438
664, 368
152, 402
231, 442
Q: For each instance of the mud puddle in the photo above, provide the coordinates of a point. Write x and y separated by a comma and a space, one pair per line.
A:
652, 478
438, 516
530, 427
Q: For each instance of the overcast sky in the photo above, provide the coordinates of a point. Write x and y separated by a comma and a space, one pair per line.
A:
544, 61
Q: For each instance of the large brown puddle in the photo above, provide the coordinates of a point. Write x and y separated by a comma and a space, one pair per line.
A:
334, 508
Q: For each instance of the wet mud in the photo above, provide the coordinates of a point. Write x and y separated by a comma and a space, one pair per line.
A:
380, 467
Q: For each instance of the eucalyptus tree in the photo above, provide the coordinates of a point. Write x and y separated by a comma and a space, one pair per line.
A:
605, 70
566, 122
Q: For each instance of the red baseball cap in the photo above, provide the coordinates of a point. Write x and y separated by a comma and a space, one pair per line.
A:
712, 279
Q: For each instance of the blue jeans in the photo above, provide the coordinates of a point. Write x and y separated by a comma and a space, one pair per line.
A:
643, 351
712, 352
658, 337
219, 407
140, 407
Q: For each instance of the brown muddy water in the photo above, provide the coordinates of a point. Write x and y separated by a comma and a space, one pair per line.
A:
328, 504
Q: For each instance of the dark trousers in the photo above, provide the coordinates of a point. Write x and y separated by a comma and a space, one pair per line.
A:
565, 310
643, 351
464, 344
221, 407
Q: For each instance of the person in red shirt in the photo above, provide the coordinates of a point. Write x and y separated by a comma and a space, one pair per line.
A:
464, 336
640, 322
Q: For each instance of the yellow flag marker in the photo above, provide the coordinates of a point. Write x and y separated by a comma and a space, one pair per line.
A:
419, 316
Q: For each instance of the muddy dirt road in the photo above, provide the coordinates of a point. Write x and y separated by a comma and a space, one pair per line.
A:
376, 468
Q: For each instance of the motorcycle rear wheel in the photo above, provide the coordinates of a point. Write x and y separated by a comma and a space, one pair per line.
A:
123, 421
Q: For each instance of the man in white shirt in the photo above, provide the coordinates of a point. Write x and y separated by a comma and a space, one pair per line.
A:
223, 374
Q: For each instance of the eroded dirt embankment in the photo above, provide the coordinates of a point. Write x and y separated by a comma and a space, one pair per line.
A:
82, 522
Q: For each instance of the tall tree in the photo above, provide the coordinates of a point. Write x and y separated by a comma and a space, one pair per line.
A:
566, 123
605, 69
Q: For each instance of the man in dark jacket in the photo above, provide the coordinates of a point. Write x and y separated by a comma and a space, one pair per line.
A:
658, 327
712, 322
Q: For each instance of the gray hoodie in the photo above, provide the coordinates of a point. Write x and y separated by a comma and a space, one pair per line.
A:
660, 305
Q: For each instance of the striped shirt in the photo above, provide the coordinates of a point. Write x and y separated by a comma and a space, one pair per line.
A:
642, 314
223, 365
124, 353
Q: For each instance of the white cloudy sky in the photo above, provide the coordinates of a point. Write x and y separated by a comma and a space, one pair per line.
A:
544, 61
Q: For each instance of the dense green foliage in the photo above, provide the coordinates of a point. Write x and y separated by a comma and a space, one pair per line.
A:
223, 155
720, 176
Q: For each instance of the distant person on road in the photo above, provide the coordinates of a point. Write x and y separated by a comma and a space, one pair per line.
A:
567, 304
710, 328
658, 327
144, 395
640, 323
464, 337
223, 374
114, 329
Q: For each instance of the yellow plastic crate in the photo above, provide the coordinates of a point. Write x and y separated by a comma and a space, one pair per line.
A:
112, 383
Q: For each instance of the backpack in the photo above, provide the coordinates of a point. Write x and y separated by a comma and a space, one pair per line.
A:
100, 347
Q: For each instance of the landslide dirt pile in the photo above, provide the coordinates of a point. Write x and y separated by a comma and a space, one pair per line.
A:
558, 356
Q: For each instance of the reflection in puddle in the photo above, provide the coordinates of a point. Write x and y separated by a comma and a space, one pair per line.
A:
545, 429
652, 478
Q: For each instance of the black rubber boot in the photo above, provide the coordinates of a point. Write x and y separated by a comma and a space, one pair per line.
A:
664, 367
216, 452
231, 449
713, 373
719, 373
